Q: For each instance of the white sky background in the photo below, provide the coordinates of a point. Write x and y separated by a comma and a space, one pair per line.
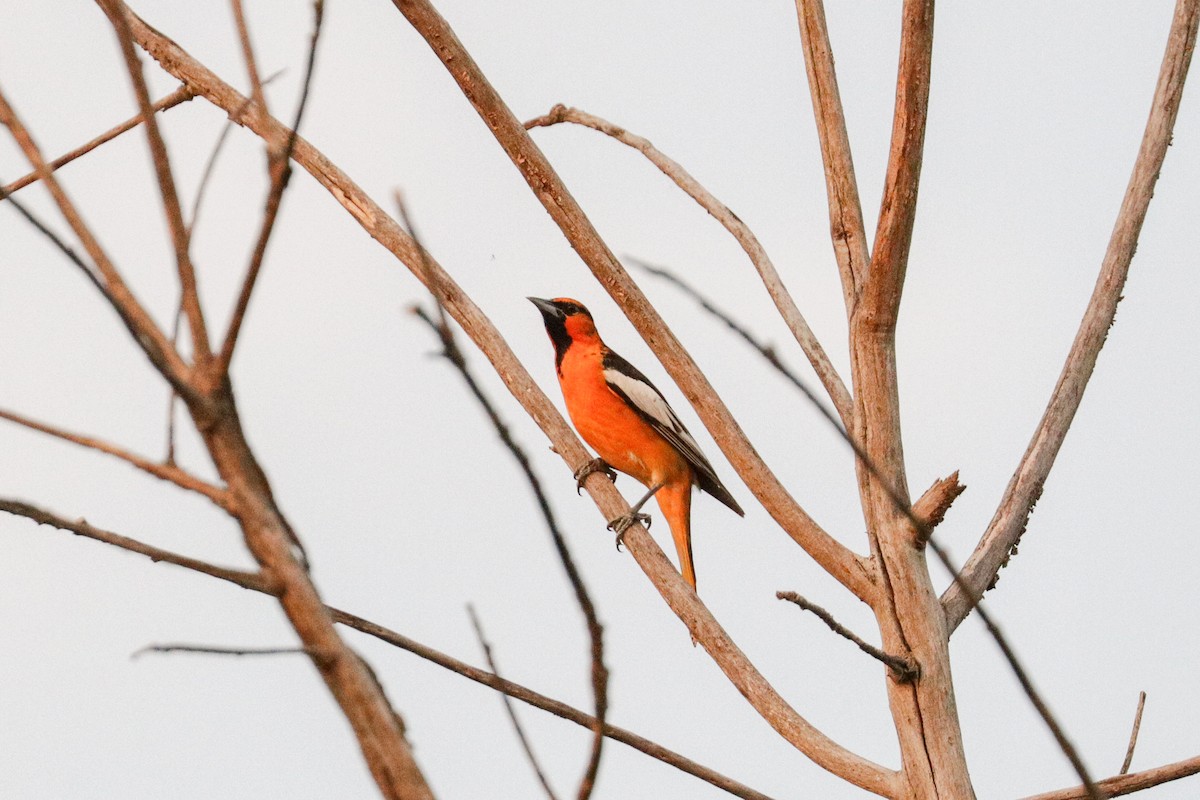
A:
1035, 117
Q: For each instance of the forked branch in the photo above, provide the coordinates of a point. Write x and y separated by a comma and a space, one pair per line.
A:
880, 300
173, 211
180, 95
855, 573
733, 662
137, 320
257, 582
279, 170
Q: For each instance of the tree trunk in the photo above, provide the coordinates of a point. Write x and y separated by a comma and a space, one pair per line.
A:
908, 609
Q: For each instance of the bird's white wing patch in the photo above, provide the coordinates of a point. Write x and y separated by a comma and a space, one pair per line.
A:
651, 404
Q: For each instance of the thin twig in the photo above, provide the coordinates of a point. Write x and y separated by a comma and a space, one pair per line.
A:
113, 288
741, 232
256, 84
256, 582
1060, 735
1119, 785
904, 669
1012, 514
166, 182
279, 166
453, 353
1133, 734
80, 527
219, 651
211, 164
765, 350
180, 95
44, 229
508, 706
166, 472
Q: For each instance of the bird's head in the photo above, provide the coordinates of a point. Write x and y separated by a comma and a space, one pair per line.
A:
567, 321
566, 315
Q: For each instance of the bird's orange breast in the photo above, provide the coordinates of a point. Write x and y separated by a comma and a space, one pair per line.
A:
614, 430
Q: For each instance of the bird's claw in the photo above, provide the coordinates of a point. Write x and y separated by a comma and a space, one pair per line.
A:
595, 465
622, 524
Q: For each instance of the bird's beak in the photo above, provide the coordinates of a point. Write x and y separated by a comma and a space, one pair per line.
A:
548, 309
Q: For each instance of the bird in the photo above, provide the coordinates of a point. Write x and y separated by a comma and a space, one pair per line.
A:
630, 425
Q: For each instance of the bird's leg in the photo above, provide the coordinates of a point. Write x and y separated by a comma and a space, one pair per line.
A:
622, 524
595, 465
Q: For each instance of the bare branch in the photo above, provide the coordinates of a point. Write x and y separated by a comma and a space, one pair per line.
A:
897, 214
134, 316
167, 472
247, 580
166, 182
1012, 515
1133, 734
930, 509
257, 582
1128, 784
739, 230
845, 210
649, 556
180, 95
905, 670
279, 165
508, 706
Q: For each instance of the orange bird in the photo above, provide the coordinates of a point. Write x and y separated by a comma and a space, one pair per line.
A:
628, 423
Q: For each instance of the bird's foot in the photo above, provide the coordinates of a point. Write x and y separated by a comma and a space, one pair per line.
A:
622, 524
595, 465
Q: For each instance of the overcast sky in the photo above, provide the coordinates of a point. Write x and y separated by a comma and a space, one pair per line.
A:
410, 509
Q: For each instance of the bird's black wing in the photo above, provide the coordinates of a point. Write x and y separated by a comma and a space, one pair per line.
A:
637, 390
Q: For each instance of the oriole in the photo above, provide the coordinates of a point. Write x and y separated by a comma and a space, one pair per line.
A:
628, 423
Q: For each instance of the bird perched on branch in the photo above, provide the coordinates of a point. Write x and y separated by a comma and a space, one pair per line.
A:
628, 423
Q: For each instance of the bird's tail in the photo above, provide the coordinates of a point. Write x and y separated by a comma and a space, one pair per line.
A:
675, 502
